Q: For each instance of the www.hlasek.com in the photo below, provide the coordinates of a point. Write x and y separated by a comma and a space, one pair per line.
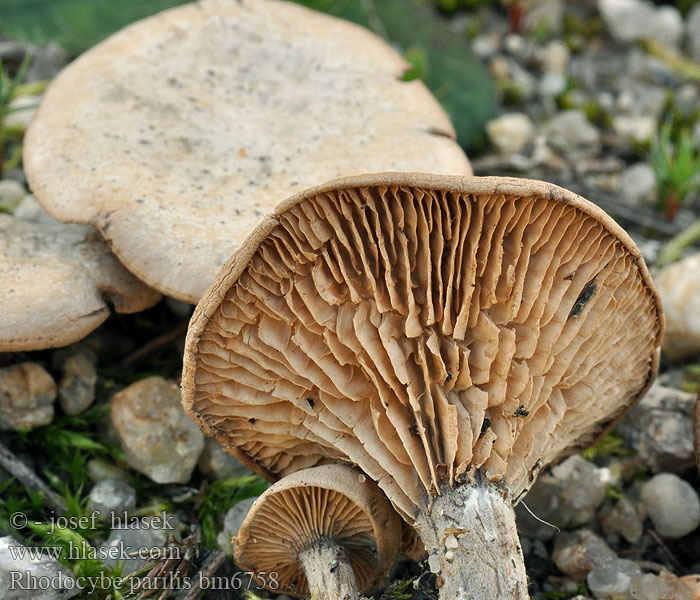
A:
27, 579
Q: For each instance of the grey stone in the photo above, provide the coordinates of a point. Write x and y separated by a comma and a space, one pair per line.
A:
27, 394
76, 389
576, 553
625, 517
133, 537
632, 20
659, 587
11, 192
47, 61
29, 209
634, 128
567, 496
638, 184
511, 132
672, 505
547, 14
58, 585
157, 437
551, 85
217, 464
23, 109
611, 580
111, 496
485, 46
692, 29
99, 469
659, 429
232, 523
554, 57
570, 133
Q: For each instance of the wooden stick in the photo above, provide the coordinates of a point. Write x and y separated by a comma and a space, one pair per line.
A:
25, 475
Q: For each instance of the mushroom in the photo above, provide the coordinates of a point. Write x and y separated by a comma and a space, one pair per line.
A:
327, 531
182, 131
448, 335
58, 280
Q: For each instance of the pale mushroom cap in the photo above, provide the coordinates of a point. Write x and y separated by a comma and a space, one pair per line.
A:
182, 131
327, 502
56, 281
423, 327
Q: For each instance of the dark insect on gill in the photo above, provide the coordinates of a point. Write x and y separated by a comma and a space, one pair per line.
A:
583, 298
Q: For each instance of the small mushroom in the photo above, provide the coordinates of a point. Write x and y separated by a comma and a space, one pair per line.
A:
327, 531
454, 335
182, 131
57, 280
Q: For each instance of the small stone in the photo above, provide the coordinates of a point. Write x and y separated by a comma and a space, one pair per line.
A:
76, 389
23, 109
692, 28
27, 393
570, 133
624, 518
659, 429
510, 133
577, 553
638, 184
132, 538
217, 464
61, 583
11, 192
554, 57
552, 84
632, 20
634, 128
545, 15
157, 437
232, 523
434, 564
111, 497
659, 587
29, 209
451, 543
449, 556
672, 505
485, 46
568, 496
99, 469
611, 580
47, 61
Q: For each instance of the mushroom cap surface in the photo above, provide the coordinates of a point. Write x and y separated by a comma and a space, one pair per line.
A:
56, 281
424, 327
334, 502
182, 131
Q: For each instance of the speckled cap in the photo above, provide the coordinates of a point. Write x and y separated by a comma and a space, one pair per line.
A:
335, 502
57, 281
182, 131
423, 328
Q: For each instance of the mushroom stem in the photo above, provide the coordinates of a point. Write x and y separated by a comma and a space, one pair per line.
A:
471, 537
328, 571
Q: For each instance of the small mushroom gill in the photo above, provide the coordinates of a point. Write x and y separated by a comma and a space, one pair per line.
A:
435, 332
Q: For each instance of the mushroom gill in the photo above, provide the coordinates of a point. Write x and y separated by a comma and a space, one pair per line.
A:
432, 330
